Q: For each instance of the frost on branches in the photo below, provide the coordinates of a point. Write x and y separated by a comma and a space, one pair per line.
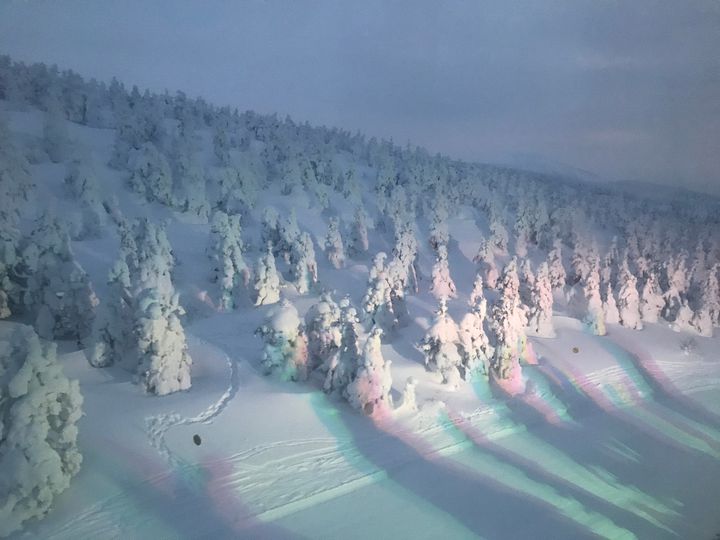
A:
441, 347
344, 361
370, 388
285, 354
164, 363
39, 410
506, 325
443, 285
58, 291
267, 280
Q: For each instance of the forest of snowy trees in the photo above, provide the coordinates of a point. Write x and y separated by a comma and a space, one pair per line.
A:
548, 245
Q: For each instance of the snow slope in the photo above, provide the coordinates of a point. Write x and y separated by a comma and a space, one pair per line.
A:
618, 440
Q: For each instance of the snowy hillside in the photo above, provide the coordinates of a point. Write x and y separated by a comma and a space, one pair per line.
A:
285, 331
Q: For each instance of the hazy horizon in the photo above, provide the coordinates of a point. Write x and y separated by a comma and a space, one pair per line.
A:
627, 92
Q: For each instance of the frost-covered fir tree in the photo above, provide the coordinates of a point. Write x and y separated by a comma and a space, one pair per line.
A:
628, 299
39, 409
58, 291
163, 360
558, 275
475, 345
439, 234
358, 244
701, 321
485, 259
111, 339
303, 266
541, 304
369, 390
285, 353
344, 362
477, 290
441, 347
271, 228
710, 294
267, 280
151, 176
594, 313
191, 190
651, 300
527, 281
610, 308
405, 257
289, 234
230, 271
334, 245
324, 332
147, 252
506, 331
442, 284
684, 317
377, 304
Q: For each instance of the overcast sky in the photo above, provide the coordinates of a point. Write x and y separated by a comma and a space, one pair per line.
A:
625, 89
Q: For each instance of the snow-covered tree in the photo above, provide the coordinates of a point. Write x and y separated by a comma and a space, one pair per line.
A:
527, 282
651, 301
230, 271
369, 390
485, 259
191, 190
16, 185
684, 317
558, 276
628, 299
541, 304
147, 252
303, 266
289, 234
610, 308
404, 257
702, 320
477, 290
595, 315
344, 362
151, 176
271, 228
439, 234
358, 244
377, 304
267, 280
39, 410
111, 339
324, 331
163, 360
441, 346
506, 328
442, 284
334, 245
285, 354
475, 345
58, 290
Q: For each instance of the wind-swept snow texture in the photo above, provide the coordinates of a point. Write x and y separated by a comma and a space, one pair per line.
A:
357, 340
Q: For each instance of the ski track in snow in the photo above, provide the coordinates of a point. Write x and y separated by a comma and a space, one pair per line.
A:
278, 486
157, 426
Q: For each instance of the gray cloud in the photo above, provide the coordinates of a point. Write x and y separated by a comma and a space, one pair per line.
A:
625, 89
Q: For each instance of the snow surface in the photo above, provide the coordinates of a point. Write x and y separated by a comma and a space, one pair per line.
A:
618, 440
